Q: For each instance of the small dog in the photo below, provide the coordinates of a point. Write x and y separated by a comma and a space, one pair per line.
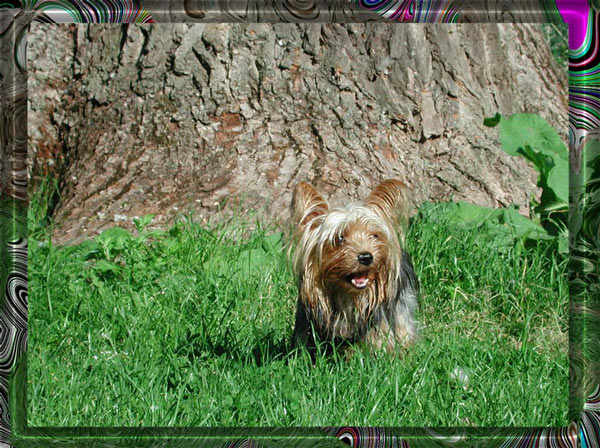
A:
355, 283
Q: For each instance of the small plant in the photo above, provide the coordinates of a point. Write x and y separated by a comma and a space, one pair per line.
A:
531, 137
496, 228
43, 199
142, 222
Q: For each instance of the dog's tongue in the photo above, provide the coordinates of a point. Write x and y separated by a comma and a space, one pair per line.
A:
360, 281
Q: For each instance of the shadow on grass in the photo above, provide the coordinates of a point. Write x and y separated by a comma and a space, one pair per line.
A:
266, 350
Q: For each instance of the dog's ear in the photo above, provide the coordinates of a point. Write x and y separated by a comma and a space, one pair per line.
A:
390, 200
307, 204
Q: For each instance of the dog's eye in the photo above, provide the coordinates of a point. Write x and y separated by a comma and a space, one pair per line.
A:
339, 239
374, 236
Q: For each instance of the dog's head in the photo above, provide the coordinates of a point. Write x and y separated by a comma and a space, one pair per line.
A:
353, 248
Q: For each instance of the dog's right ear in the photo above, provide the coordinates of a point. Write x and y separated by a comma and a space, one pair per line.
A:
307, 204
390, 200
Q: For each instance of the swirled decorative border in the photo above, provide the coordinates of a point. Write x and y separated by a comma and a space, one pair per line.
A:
584, 140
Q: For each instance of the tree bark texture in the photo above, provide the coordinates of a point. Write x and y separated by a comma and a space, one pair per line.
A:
215, 119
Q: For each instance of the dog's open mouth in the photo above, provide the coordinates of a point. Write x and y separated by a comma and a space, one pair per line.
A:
359, 280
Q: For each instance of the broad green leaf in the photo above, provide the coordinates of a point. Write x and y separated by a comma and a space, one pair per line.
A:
114, 234
459, 213
519, 130
554, 174
558, 180
250, 260
492, 121
141, 222
543, 163
522, 226
89, 248
273, 242
497, 227
534, 139
107, 266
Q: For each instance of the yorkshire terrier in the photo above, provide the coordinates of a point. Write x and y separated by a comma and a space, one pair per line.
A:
356, 284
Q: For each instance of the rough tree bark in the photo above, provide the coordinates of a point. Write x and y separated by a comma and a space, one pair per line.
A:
212, 118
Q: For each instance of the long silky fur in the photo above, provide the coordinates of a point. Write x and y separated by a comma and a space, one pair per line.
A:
383, 313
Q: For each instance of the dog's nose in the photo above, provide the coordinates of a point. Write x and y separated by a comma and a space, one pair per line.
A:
365, 258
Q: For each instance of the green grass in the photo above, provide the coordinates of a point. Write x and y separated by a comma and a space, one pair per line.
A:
190, 327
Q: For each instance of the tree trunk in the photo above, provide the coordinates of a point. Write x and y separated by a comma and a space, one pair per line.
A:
217, 119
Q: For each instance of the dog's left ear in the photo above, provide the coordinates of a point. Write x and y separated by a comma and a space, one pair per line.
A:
390, 200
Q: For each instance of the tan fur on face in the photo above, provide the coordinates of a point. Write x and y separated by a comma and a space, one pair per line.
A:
340, 260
